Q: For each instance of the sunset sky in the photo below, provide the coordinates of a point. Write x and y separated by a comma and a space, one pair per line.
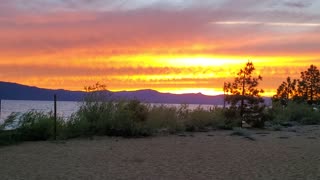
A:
177, 46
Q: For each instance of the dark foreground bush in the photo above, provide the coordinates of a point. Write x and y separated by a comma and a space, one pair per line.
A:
93, 118
35, 126
176, 119
124, 118
232, 118
30, 126
201, 119
294, 112
133, 118
165, 118
121, 118
8, 137
130, 119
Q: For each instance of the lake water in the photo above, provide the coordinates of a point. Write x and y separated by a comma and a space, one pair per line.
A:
64, 108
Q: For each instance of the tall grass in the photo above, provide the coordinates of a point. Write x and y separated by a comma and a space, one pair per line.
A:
201, 119
182, 118
104, 116
165, 118
118, 118
112, 118
122, 118
294, 112
29, 126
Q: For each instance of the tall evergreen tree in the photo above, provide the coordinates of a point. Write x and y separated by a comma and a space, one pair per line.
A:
286, 91
245, 95
309, 85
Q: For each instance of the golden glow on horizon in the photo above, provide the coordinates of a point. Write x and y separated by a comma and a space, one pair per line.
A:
175, 74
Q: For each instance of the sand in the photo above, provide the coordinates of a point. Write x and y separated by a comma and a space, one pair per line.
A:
289, 154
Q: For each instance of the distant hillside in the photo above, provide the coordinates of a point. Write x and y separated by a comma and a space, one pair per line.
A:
156, 97
13, 91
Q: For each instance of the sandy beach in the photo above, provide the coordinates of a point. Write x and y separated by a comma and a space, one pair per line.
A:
288, 154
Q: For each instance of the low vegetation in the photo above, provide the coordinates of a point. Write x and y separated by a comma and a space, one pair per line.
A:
135, 119
112, 118
294, 113
30, 126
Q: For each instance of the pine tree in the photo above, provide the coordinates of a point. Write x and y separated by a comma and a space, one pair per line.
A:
245, 96
309, 85
286, 91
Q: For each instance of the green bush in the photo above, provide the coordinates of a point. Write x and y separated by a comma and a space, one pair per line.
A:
123, 118
199, 119
164, 118
30, 126
221, 121
182, 118
294, 112
92, 118
77, 126
8, 137
129, 119
231, 118
35, 126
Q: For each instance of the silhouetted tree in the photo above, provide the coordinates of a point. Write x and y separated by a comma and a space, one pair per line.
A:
245, 96
309, 85
286, 91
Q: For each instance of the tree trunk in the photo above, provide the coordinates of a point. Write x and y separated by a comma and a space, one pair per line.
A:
311, 94
242, 100
224, 95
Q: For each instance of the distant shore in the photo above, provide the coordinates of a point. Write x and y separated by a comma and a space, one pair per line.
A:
292, 153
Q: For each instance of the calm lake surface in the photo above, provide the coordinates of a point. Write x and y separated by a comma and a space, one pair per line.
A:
64, 108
